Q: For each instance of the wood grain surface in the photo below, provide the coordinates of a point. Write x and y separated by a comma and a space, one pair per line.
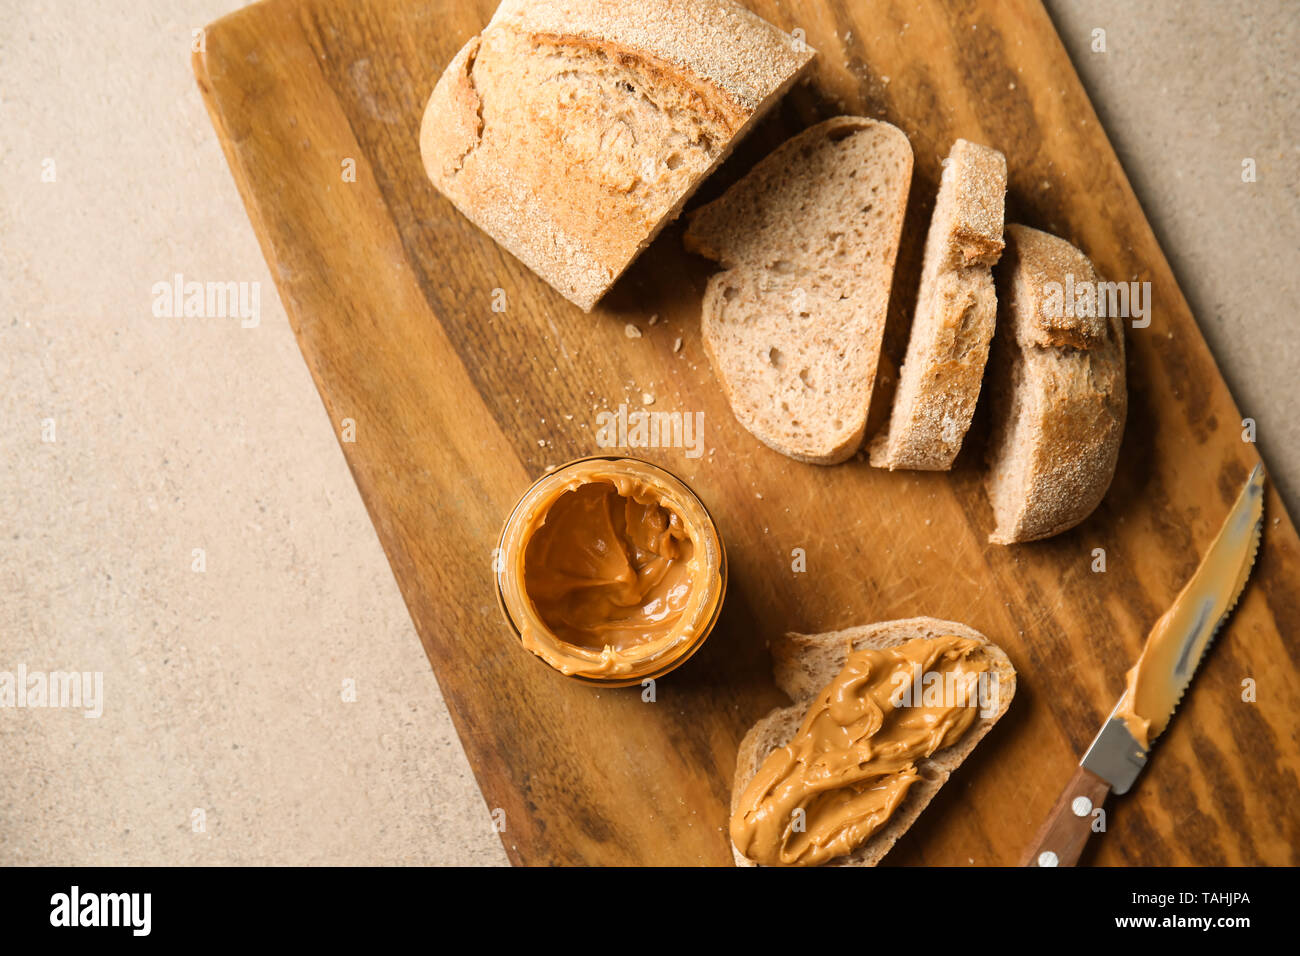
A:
457, 407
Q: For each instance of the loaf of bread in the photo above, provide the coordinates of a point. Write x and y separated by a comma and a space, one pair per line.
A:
793, 325
572, 131
1058, 388
805, 663
956, 310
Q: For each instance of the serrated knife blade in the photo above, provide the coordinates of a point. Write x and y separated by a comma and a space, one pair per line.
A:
1156, 683
1178, 642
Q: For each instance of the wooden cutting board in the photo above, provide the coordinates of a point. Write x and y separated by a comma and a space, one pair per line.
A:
452, 408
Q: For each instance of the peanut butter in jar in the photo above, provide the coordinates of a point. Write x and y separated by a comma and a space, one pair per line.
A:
611, 570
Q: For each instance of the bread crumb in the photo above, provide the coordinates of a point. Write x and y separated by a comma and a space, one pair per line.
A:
541, 443
631, 331
647, 398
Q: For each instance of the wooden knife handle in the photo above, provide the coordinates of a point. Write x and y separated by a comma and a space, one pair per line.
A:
1060, 840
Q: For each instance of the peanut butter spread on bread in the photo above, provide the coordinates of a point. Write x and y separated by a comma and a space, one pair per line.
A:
855, 756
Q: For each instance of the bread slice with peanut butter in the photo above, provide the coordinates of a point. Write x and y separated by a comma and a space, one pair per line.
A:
572, 131
805, 665
956, 309
1058, 387
807, 240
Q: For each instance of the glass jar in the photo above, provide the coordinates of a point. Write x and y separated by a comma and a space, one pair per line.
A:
611, 571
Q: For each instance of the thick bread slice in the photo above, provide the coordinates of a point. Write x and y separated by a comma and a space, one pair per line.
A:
956, 309
805, 663
572, 131
1059, 392
808, 239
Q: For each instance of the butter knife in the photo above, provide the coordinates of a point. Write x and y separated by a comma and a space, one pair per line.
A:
1156, 683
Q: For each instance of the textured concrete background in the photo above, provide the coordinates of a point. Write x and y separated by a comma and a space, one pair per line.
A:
224, 687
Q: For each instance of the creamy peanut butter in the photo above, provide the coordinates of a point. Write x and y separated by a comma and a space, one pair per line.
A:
611, 570
854, 757
1179, 638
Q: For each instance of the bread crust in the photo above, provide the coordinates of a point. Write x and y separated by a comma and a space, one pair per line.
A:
802, 664
956, 310
1059, 394
572, 131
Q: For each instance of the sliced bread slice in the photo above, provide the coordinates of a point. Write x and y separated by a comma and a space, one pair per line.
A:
572, 131
807, 239
1058, 388
956, 309
805, 663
